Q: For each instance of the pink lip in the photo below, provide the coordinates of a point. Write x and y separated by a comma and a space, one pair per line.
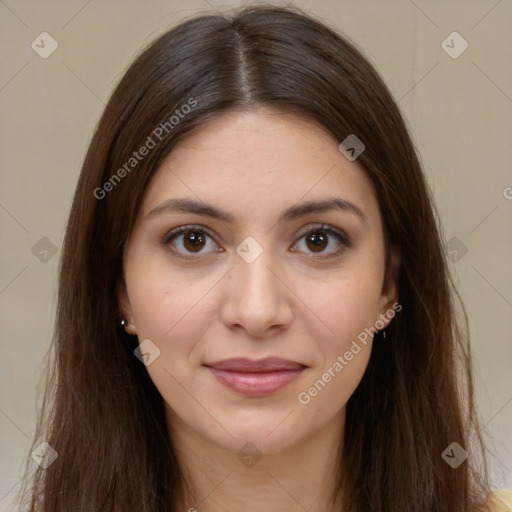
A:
255, 378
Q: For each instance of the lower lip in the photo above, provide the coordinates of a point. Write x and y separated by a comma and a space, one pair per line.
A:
256, 384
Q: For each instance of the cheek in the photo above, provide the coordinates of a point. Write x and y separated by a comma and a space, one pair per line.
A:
346, 304
173, 310
164, 299
350, 310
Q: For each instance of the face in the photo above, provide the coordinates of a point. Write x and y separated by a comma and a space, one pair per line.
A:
257, 239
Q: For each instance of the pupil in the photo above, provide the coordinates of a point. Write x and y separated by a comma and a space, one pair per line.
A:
318, 240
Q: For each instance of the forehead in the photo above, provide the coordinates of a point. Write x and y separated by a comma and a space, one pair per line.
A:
246, 161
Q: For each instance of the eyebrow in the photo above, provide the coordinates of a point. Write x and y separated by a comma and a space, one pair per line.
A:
185, 205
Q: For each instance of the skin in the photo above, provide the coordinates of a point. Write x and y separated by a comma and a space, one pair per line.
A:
292, 302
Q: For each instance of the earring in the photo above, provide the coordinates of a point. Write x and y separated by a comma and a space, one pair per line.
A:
122, 322
384, 333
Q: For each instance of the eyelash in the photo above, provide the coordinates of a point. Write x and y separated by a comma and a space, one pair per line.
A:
323, 228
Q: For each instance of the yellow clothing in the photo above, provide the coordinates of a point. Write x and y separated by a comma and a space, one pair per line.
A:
501, 501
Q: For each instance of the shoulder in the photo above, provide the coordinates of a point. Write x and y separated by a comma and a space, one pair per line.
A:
501, 501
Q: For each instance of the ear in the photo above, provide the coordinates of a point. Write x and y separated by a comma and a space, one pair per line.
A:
389, 293
125, 308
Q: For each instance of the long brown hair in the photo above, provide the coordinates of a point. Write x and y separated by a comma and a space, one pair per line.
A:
103, 415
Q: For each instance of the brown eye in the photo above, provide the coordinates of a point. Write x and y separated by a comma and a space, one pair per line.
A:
193, 241
317, 241
323, 241
190, 240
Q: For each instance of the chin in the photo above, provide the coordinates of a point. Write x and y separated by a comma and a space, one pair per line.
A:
255, 442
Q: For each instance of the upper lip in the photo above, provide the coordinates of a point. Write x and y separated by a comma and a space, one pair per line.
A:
242, 364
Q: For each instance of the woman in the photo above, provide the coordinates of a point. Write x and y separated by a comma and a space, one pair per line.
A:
254, 306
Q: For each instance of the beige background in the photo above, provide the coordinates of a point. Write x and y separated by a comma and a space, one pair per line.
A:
459, 112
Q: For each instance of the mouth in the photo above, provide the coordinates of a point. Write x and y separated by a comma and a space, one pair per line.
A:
255, 378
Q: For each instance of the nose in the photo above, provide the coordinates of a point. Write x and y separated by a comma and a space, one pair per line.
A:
256, 297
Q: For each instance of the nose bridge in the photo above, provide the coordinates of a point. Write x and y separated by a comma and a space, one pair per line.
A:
254, 279
257, 299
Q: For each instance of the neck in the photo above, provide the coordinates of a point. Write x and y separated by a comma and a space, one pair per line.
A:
302, 477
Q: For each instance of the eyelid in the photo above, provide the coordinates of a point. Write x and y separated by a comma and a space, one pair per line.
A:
328, 229
184, 229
